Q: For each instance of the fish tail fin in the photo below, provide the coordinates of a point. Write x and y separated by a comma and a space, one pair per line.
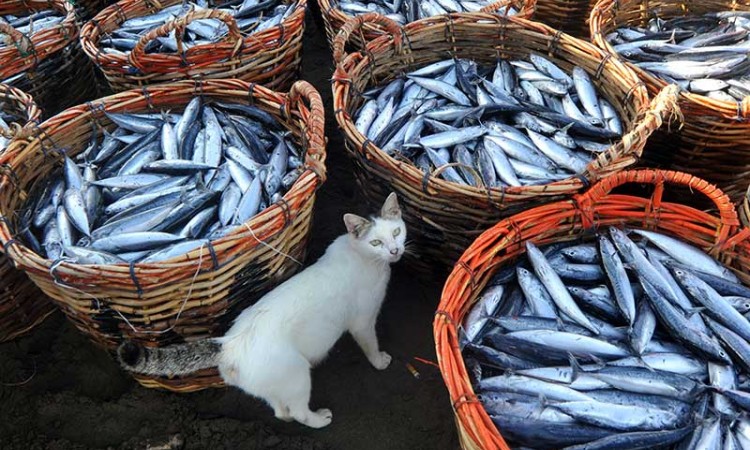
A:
575, 366
463, 338
642, 363
713, 412
701, 388
179, 359
542, 404
709, 388
598, 362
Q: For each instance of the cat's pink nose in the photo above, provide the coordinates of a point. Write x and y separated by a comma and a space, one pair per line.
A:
394, 251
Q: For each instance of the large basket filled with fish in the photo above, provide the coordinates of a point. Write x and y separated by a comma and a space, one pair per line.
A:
568, 16
703, 47
40, 53
137, 42
337, 12
156, 214
22, 306
480, 116
615, 320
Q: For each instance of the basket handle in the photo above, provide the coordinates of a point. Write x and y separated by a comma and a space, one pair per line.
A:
22, 42
659, 178
494, 6
664, 107
357, 22
22, 102
302, 91
179, 24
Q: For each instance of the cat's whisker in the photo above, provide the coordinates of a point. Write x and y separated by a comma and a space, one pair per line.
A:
411, 251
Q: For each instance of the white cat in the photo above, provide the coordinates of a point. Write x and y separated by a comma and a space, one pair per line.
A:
271, 347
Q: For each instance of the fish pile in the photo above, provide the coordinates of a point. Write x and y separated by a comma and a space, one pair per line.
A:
28, 24
519, 123
706, 55
635, 340
405, 11
161, 185
252, 16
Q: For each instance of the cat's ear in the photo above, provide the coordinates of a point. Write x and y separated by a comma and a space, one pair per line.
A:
390, 209
356, 225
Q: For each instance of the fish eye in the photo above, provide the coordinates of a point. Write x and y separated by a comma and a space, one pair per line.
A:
375, 242
396, 232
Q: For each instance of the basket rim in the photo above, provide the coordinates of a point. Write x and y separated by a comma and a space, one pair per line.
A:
17, 58
250, 44
343, 78
728, 237
311, 135
597, 21
330, 11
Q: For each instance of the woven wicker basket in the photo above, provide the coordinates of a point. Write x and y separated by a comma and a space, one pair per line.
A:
188, 297
568, 16
22, 305
334, 19
444, 217
53, 69
271, 57
564, 221
713, 143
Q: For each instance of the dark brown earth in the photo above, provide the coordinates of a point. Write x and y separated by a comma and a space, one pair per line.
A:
60, 392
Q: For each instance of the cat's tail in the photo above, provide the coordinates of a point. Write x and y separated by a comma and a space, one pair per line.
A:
178, 359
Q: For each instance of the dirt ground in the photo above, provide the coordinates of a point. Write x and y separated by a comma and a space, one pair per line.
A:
60, 392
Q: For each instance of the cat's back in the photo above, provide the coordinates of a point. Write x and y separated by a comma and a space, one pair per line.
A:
321, 288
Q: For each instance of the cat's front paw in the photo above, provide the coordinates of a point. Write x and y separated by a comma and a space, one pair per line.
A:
381, 361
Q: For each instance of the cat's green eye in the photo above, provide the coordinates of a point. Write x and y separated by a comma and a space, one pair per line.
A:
396, 232
375, 242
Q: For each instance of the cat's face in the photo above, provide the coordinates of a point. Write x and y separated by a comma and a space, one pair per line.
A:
381, 237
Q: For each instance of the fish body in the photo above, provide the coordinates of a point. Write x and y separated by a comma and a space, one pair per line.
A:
618, 279
556, 288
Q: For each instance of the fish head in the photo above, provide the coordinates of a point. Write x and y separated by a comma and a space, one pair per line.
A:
679, 273
381, 238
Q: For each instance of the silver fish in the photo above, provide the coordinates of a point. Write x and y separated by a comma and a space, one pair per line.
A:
618, 279
197, 155
556, 288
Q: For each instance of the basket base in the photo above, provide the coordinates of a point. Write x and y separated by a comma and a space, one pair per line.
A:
204, 379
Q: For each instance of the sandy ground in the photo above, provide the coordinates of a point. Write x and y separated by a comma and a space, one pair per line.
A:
60, 392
